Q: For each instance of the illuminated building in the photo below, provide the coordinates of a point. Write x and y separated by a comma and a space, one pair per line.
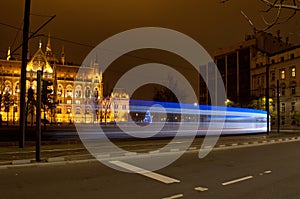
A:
74, 98
234, 63
284, 67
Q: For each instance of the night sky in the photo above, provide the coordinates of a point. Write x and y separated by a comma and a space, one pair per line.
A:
212, 24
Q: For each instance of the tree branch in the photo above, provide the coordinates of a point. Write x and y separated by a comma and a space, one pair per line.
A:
282, 5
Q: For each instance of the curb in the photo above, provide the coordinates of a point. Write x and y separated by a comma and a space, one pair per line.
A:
63, 161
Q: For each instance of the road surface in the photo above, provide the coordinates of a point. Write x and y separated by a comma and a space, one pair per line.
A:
269, 171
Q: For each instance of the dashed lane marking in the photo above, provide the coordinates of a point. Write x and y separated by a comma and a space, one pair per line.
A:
237, 180
267, 172
175, 196
201, 189
144, 172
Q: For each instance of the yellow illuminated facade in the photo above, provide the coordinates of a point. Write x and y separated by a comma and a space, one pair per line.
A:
76, 98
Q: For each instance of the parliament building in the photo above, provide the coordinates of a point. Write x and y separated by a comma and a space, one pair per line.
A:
74, 98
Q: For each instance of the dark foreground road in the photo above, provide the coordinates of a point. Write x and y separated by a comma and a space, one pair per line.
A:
270, 171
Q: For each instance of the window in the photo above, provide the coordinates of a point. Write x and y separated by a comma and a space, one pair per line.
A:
292, 56
69, 91
69, 101
293, 106
116, 106
293, 72
293, 90
77, 101
77, 111
78, 92
272, 76
59, 91
124, 107
281, 58
282, 74
273, 61
87, 92
273, 92
96, 93
283, 91
283, 107
58, 110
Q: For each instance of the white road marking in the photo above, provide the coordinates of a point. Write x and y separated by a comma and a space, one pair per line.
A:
201, 189
174, 197
176, 142
237, 180
174, 150
267, 172
144, 172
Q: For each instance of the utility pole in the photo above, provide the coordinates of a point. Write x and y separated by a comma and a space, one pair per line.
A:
22, 124
38, 118
278, 107
267, 95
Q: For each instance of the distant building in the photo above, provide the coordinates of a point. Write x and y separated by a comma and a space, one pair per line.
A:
234, 63
120, 105
284, 66
74, 98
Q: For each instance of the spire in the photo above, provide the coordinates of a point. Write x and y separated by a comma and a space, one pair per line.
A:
8, 54
48, 47
40, 44
63, 57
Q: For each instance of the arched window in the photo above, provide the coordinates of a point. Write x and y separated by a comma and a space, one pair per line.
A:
87, 92
60, 90
96, 93
69, 91
17, 88
8, 87
78, 91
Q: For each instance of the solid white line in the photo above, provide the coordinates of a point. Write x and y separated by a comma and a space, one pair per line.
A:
144, 172
237, 180
174, 197
201, 189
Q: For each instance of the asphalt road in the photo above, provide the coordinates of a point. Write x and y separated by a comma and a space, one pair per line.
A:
269, 171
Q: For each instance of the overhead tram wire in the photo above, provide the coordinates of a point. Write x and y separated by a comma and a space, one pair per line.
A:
92, 46
16, 35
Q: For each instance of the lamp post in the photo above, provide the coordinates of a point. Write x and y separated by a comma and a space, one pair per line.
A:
278, 107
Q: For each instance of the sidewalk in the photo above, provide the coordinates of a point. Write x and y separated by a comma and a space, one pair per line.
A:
52, 151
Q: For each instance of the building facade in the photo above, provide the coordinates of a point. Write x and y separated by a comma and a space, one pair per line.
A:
73, 97
234, 63
284, 83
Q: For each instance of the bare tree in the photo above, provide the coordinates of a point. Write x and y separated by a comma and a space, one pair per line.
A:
290, 6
